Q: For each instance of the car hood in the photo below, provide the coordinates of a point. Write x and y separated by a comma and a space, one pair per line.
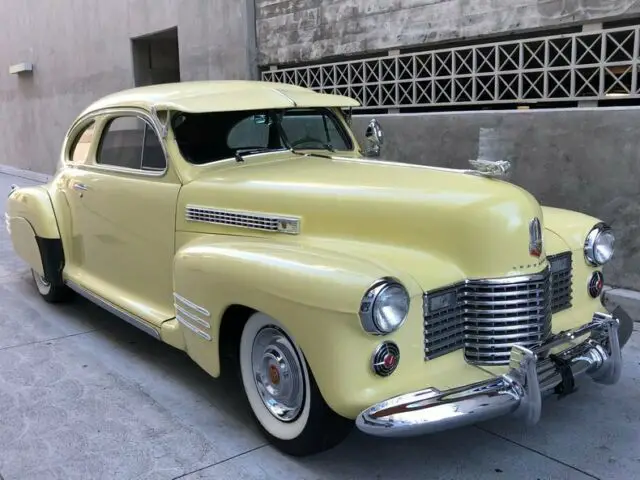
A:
477, 222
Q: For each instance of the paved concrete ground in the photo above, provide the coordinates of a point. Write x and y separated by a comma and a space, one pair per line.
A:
85, 396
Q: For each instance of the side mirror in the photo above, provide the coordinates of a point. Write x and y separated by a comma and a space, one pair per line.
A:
374, 138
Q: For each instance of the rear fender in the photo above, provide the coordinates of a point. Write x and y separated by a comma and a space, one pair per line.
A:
34, 233
34, 205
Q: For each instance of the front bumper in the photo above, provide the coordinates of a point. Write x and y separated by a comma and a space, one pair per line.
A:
532, 375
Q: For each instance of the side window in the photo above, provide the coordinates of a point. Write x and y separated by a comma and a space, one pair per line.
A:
252, 131
79, 151
130, 142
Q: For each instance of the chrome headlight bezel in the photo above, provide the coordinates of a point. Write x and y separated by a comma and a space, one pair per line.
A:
591, 242
370, 306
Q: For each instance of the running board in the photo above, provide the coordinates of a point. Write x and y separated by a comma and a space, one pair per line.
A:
111, 308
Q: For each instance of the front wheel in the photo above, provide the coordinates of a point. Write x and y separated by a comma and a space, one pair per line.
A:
282, 393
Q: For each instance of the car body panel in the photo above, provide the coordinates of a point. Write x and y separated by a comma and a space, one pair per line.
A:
123, 231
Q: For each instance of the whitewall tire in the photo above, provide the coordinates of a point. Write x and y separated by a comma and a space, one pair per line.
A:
282, 393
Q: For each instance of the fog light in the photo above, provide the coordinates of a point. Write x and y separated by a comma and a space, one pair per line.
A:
596, 283
385, 359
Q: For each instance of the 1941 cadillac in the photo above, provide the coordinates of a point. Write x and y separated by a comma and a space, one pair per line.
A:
242, 223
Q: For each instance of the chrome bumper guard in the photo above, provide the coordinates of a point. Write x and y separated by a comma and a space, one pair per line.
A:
532, 375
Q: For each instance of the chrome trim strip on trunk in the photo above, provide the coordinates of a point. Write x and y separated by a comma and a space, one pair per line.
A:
115, 310
520, 391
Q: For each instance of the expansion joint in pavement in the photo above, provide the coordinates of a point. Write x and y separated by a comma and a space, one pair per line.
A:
533, 450
48, 340
233, 457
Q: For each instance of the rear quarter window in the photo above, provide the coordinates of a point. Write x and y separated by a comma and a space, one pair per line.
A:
79, 151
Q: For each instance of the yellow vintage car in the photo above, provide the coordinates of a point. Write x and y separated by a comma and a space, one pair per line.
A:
242, 223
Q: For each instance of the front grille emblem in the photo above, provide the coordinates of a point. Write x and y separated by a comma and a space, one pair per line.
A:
535, 238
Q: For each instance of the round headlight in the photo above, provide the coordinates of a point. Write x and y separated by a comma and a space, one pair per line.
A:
599, 245
384, 307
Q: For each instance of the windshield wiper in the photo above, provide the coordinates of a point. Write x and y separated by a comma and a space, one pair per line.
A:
247, 151
329, 147
326, 146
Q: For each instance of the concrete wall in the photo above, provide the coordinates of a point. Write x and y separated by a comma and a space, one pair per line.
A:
586, 160
302, 30
82, 50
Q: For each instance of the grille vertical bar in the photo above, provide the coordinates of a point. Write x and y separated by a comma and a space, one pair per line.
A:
501, 315
561, 281
488, 317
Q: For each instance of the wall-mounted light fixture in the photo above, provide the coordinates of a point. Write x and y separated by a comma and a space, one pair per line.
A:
19, 68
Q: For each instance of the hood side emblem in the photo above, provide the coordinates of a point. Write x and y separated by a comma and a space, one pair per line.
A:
535, 238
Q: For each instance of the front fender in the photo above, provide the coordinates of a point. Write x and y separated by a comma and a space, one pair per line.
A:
571, 226
315, 293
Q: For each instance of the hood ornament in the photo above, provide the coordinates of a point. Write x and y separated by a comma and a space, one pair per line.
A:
491, 168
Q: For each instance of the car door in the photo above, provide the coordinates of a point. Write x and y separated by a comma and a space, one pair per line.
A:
123, 210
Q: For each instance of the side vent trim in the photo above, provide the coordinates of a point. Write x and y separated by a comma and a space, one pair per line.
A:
266, 222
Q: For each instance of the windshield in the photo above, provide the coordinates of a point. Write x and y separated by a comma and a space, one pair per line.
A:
209, 137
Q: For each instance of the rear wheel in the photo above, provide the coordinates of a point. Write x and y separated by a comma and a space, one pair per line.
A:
282, 393
52, 293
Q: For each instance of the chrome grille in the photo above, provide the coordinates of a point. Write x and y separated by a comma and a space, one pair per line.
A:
561, 281
488, 317
253, 220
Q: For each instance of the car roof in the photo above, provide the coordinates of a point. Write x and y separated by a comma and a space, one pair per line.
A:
220, 95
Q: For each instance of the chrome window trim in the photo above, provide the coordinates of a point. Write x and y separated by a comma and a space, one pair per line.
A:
114, 309
105, 116
74, 132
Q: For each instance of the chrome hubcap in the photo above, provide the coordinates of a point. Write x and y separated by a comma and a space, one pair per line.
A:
278, 374
41, 281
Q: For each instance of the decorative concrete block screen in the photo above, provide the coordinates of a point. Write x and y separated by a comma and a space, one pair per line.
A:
570, 67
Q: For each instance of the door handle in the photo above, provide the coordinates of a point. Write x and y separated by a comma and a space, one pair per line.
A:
80, 186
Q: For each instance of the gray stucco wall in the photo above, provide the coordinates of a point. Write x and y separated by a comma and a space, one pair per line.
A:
82, 50
586, 160
301, 30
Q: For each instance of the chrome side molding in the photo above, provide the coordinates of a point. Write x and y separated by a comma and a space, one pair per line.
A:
192, 316
115, 310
